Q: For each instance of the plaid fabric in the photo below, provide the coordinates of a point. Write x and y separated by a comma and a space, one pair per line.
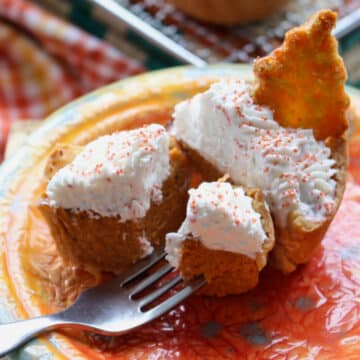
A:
45, 62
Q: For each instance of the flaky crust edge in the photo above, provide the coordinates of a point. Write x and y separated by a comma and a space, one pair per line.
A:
297, 242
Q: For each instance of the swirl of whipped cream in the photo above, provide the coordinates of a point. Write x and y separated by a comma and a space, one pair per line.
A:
221, 217
241, 138
115, 175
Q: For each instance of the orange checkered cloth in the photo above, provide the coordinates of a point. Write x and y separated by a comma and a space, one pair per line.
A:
46, 62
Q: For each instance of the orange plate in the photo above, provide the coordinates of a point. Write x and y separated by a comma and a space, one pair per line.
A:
313, 313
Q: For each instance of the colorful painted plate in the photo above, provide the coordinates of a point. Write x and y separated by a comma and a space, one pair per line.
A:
313, 313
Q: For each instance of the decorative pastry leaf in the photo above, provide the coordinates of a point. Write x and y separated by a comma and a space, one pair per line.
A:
303, 80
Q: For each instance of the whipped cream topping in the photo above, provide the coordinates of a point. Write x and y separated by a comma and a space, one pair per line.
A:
222, 218
145, 244
115, 175
242, 139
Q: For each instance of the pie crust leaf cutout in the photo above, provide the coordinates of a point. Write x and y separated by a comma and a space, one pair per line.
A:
303, 80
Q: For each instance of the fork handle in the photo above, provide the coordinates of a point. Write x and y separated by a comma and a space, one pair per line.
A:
17, 333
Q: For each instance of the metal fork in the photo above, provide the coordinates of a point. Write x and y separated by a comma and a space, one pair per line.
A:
112, 308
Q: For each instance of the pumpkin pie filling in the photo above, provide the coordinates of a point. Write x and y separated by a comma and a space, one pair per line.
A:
116, 198
226, 236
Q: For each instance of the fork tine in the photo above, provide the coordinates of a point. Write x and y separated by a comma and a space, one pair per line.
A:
142, 266
151, 279
160, 291
174, 300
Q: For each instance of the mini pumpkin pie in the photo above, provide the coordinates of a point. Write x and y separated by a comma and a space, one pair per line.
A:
229, 12
285, 137
111, 202
226, 236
